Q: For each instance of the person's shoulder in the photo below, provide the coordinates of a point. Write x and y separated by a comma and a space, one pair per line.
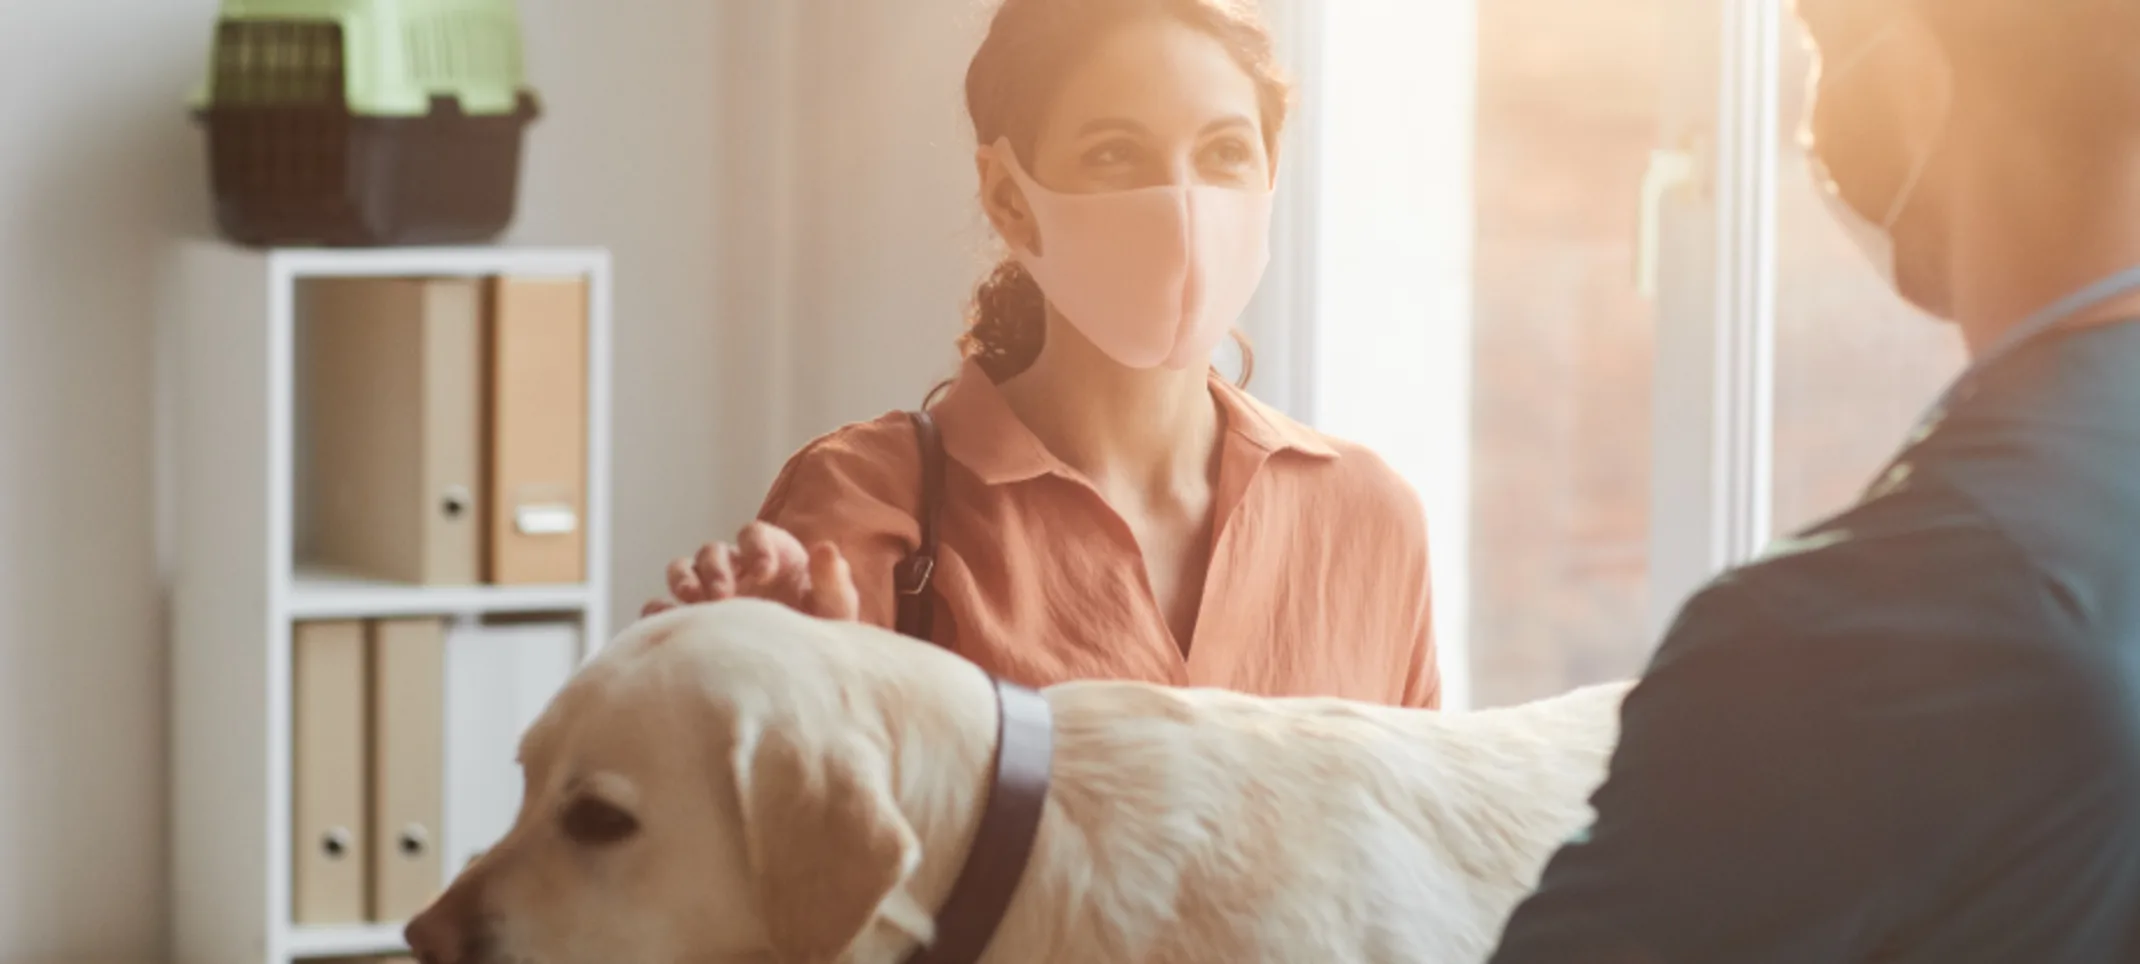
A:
1925, 572
1945, 623
880, 457
1340, 461
1371, 496
887, 438
1367, 479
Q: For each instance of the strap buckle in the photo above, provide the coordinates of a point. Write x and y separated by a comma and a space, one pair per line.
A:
913, 573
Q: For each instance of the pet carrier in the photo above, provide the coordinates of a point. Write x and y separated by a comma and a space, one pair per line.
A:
364, 122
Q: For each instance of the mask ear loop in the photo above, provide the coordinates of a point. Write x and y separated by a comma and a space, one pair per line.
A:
1027, 187
1864, 52
1909, 186
1842, 68
1923, 162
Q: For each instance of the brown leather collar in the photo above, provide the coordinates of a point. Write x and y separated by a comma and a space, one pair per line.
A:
1010, 822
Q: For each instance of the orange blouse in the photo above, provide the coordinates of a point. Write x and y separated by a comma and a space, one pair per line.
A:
1317, 584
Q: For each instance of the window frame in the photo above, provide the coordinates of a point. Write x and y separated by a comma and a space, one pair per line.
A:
1713, 471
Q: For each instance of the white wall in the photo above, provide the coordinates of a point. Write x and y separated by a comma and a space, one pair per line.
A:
851, 233
98, 171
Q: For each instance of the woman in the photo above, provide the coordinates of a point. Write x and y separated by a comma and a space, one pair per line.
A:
1110, 507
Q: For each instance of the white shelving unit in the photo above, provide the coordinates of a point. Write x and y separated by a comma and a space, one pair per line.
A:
327, 595
229, 324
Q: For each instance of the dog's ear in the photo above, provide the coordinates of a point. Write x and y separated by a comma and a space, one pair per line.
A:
826, 843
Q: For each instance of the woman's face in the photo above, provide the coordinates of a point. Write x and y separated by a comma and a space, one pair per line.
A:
1158, 102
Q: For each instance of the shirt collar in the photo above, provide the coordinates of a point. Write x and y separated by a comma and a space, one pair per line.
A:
983, 434
1263, 426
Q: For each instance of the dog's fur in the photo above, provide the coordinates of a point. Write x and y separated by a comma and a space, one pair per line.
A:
804, 792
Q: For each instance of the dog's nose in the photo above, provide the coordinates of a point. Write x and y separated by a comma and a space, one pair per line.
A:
435, 937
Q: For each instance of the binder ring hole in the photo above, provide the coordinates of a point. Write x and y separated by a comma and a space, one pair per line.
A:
455, 503
335, 843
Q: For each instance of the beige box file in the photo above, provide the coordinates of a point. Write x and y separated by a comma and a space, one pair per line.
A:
537, 431
392, 375
328, 843
408, 732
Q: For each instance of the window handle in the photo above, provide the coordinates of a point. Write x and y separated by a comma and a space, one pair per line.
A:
1668, 169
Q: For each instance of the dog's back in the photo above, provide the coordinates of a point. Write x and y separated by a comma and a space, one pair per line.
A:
1203, 825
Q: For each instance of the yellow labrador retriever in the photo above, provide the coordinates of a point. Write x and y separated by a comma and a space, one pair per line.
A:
736, 783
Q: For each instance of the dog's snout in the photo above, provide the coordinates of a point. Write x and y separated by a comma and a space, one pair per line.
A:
432, 938
445, 934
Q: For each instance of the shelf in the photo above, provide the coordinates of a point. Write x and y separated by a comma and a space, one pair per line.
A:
351, 940
324, 594
436, 261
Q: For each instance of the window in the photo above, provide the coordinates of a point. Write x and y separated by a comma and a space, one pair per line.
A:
1563, 345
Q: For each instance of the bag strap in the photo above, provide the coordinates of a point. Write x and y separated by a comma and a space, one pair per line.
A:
911, 577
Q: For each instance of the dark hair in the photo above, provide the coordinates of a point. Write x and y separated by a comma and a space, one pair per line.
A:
1031, 46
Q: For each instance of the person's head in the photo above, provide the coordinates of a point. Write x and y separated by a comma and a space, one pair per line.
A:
1100, 97
1923, 109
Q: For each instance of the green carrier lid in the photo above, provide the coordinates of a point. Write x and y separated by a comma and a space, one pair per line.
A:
383, 58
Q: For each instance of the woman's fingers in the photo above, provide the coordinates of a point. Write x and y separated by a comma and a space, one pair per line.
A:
715, 568
832, 585
684, 584
773, 564
757, 558
766, 562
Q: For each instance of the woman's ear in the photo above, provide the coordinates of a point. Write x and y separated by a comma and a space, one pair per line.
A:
1004, 203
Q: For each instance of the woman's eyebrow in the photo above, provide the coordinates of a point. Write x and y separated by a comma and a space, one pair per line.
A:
1123, 124
1126, 125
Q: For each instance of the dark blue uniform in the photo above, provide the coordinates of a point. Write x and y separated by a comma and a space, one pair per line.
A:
1912, 733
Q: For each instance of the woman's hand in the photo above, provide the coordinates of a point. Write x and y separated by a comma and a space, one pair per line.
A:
766, 562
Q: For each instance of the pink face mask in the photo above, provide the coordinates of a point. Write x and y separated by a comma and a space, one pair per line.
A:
1152, 276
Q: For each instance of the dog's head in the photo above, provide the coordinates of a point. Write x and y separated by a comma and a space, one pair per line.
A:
714, 787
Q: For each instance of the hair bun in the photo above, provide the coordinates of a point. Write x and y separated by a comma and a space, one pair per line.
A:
1008, 324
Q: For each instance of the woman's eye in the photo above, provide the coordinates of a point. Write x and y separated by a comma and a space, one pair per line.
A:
1229, 155
1111, 154
595, 822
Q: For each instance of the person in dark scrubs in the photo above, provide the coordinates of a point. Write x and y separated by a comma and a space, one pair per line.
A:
1912, 733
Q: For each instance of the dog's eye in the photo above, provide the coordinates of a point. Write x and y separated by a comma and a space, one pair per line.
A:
595, 822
